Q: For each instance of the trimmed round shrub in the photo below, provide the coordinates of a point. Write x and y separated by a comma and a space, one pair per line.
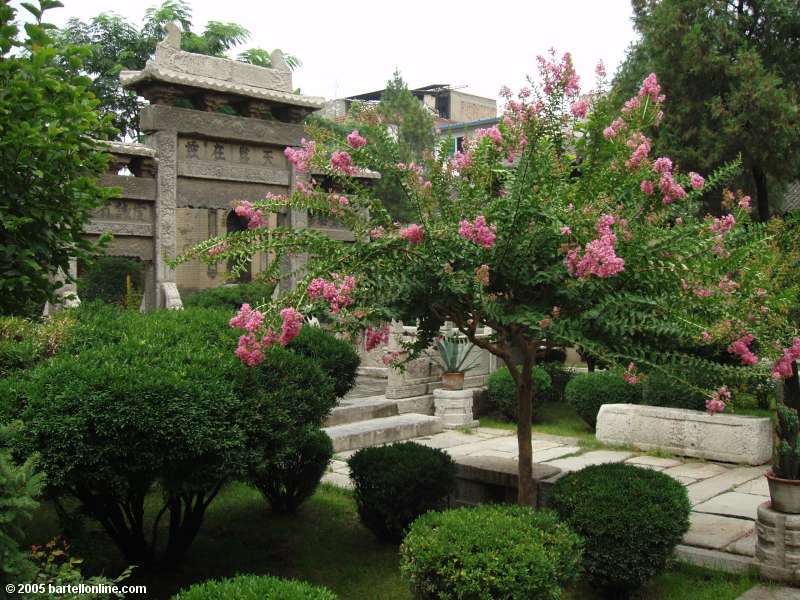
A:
502, 391
255, 587
231, 297
106, 279
335, 357
396, 484
159, 401
288, 478
661, 390
489, 551
630, 518
587, 392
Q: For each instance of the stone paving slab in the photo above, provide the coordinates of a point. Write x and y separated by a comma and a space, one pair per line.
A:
596, 457
745, 546
447, 439
696, 470
714, 486
756, 486
764, 592
715, 532
732, 504
653, 462
549, 454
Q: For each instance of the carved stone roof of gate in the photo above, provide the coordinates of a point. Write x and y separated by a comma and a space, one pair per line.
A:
131, 149
174, 66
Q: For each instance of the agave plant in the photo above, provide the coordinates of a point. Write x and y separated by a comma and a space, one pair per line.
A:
454, 350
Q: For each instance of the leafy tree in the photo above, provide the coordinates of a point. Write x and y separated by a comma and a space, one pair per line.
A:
399, 107
733, 77
117, 44
49, 160
512, 236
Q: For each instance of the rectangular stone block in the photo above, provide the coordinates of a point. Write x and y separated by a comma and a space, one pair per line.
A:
727, 438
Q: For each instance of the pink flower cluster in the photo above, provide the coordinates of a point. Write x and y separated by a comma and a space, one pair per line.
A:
413, 234
727, 285
650, 87
641, 149
697, 181
250, 350
461, 160
356, 140
217, 249
337, 291
600, 258
376, 337
301, 157
741, 348
255, 218
630, 375
479, 232
718, 399
579, 108
670, 188
723, 225
615, 128
493, 133
782, 369
557, 74
342, 161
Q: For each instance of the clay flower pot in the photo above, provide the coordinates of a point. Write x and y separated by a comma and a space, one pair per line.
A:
453, 381
784, 493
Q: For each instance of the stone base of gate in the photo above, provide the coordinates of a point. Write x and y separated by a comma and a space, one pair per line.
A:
778, 545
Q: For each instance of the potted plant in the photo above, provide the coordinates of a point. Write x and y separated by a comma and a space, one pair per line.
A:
784, 479
454, 350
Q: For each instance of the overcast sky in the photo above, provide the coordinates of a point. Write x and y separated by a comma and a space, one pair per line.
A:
353, 46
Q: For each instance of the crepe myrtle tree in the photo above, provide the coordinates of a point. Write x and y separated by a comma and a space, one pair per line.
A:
555, 227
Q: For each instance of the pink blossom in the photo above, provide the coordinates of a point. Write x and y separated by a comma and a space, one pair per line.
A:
600, 258
647, 187
702, 292
493, 133
662, 165
377, 232
391, 357
558, 74
727, 285
342, 161
741, 348
600, 69
566, 230
217, 249
356, 140
301, 158
723, 225
376, 337
292, 323
697, 181
650, 87
630, 374
579, 108
249, 350
616, 126
641, 146
255, 218
479, 232
631, 105
247, 319
413, 234
706, 336
718, 399
461, 160
782, 369
337, 291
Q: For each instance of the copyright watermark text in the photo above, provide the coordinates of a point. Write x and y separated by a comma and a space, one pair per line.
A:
74, 588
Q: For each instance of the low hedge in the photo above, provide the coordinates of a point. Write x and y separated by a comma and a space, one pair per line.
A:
231, 297
396, 484
502, 391
630, 518
662, 390
106, 279
337, 358
255, 587
587, 392
489, 551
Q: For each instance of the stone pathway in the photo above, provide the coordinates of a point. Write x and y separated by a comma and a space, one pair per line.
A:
724, 497
762, 592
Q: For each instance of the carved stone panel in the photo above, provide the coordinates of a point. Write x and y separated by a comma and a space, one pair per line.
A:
126, 211
232, 161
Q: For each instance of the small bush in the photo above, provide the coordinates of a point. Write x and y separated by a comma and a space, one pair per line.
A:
231, 297
335, 357
289, 477
630, 518
490, 551
255, 587
107, 279
396, 484
24, 343
661, 390
502, 391
587, 392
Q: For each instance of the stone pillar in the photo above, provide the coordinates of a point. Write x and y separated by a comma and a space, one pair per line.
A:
296, 219
778, 544
454, 407
166, 144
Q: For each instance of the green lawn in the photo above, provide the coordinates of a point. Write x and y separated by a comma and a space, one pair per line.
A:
324, 544
553, 418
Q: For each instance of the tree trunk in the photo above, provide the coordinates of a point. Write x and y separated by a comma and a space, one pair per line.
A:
525, 491
762, 194
791, 389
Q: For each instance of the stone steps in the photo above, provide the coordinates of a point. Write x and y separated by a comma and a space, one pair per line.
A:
361, 409
384, 430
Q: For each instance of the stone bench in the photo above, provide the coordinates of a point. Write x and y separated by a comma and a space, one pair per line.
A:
492, 480
727, 438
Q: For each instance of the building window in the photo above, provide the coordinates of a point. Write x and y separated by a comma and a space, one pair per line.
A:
460, 143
